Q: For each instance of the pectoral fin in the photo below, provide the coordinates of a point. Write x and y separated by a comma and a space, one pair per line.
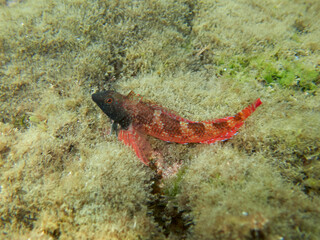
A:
138, 142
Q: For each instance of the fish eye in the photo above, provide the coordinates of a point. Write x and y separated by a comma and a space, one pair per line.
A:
108, 100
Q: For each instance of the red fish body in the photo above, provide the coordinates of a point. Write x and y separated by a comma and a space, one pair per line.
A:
139, 118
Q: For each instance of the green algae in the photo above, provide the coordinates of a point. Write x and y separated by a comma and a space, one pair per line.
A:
173, 185
288, 73
64, 177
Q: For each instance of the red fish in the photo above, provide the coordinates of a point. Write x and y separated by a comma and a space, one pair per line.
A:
139, 118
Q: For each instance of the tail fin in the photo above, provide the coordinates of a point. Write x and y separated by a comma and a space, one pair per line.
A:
245, 113
234, 123
240, 117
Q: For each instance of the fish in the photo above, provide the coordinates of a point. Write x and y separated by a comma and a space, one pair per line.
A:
138, 119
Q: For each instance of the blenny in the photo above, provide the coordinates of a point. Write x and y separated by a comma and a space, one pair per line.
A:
138, 119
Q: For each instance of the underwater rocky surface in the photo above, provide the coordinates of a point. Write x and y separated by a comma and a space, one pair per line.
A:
62, 176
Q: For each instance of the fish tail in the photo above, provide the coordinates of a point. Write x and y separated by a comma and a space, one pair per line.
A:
231, 125
237, 121
240, 117
245, 113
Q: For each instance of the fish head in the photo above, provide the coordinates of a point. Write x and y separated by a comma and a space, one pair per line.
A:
112, 104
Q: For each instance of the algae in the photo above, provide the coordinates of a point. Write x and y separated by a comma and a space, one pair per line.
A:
62, 176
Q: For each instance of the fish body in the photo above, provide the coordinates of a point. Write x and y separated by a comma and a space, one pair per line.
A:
139, 118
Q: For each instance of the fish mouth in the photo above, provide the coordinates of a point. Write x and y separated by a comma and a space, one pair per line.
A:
97, 97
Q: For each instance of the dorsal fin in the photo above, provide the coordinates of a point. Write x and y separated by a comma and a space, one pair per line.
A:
134, 97
138, 98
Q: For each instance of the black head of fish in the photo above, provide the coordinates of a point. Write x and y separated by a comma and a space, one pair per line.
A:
111, 103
